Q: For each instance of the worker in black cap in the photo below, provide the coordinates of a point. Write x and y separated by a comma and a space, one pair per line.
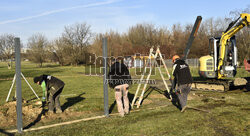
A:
53, 87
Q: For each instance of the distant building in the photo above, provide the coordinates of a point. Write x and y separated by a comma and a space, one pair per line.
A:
24, 50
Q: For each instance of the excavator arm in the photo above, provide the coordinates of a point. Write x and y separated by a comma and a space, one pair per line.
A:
192, 36
231, 31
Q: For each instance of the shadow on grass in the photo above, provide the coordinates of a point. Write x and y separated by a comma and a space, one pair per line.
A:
6, 133
151, 89
39, 117
174, 101
146, 94
112, 107
72, 100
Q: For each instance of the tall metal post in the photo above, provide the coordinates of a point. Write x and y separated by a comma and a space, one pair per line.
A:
18, 86
105, 70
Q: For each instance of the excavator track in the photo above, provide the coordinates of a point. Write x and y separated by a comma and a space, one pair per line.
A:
212, 85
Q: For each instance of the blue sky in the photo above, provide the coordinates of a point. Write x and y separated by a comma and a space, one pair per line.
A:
26, 17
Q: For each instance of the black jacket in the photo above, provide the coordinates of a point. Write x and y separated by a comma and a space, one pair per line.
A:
53, 84
118, 75
181, 73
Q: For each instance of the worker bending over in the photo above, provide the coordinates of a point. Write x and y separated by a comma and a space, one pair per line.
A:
119, 80
53, 87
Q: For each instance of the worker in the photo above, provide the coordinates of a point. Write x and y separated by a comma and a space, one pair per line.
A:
120, 80
53, 87
183, 78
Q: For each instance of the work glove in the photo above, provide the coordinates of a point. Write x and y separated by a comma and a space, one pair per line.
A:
43, 102
178, 91
43, 99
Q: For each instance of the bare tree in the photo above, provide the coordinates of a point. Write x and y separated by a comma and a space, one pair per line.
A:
37, 45
7, 48
243, 43
96, 46
1, 51
139, 39
144, 36
60, 51
77, 38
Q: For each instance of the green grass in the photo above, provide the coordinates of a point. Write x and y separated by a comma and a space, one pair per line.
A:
229, 117
229, 112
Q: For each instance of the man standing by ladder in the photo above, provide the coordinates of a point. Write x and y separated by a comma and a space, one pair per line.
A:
183, 78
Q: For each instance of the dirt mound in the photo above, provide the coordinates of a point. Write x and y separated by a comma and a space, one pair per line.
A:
8, 113
32, 114
240, 81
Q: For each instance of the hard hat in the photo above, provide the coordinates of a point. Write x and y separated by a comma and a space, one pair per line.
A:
175, 57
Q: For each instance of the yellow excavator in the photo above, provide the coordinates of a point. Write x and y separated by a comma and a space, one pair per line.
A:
222, 61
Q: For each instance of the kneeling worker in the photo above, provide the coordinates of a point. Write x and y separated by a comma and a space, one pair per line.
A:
183, 78
119, 79
53, 87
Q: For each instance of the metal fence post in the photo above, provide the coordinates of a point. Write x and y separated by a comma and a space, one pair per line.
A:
105, 85
18, 86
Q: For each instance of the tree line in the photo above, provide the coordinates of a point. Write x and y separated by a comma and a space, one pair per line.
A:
77, 40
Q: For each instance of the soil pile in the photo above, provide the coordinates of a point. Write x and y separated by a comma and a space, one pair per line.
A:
32, 113
8, 113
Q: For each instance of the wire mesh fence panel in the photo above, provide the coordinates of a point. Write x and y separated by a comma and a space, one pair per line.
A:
191, 62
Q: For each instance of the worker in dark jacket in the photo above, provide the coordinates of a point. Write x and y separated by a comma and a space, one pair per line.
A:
52, 87
183, 78
120, 79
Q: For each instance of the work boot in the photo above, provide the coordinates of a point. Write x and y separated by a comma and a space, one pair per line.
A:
58, 111
183, 109
50, 112
126, 113
121, 114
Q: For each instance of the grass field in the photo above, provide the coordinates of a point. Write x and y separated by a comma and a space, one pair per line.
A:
220, 114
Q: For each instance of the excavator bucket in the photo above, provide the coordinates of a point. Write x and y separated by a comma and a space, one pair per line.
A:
246, 16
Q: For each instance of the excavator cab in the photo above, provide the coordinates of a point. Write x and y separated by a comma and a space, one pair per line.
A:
209, 64
222, 62
229, 67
